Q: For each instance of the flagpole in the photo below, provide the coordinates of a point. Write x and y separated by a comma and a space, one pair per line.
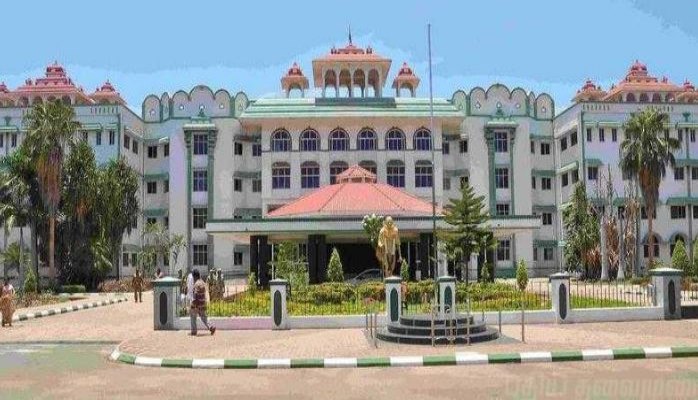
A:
433, 158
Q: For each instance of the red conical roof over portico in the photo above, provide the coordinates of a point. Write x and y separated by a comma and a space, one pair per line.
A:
355, 194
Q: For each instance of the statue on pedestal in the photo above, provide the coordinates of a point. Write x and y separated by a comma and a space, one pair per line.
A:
388, 246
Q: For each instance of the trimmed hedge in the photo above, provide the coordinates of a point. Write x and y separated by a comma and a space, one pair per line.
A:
73, 289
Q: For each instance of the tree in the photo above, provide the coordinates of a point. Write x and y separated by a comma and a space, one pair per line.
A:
679, 258
13, 257
372, 225
50, 127
404, 271
14, 211
335, 273
645, 153
467, 217
581, 231
521, 275
117, 192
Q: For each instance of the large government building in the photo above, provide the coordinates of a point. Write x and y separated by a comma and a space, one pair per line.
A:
235, 175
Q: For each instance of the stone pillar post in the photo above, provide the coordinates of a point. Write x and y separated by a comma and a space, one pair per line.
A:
279, 313
165, 295
393, 298
560, 295
447, 295
667, 291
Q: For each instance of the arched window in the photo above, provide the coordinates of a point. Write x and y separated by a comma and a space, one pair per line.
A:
630, 98
423, 174
339, 140
336, 168
396, 173
677, 238
656, 98
646, 247
310, 140
280, 175
366, 139
280, 140
422, 139
395, 140
644, 98
310, 175
369, 166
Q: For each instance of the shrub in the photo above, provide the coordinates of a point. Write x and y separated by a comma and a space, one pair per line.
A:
679, 258
122, 285
29, 282
521, 275
416, 291
73, 289
332, 292
485, 274
371, 290
334, 270
404, 271
252, 282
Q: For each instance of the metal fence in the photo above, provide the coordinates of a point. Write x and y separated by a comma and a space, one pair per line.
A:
597, 294
689, 291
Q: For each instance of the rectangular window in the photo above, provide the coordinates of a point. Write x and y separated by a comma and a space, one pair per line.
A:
237, 185
535, 253
695, 212
464, 180
134, 223
463, 146
256, 186
166, 150
588, 134
592, 173
546, 183
200, 254
678, 212
238, 148
98, 138
134, 259
563, 144
545, 149
501, 178
547, 253
166, 186
533, 182
643, 213
547, 218
678, 174
565, 179
13, 140
166, 222
680, 135
2, 140
152, 187
256, 150
200, 145
445, 148
237, 258
200, 180
694, 173
503, 209
533, 147
614, 135
166, 260
127, 142
135, 147
125, 258
573, 139
152, 151
575, 175
112, 137
151, 221
602, 135
504, 250
84, 136
501, 142
199, 215
447, 183
693, 135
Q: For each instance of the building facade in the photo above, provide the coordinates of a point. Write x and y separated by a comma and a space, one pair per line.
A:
215, 165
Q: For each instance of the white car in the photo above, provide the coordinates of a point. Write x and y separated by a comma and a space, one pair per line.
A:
369, 275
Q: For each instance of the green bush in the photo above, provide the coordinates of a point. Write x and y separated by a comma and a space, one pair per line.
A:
485, 273
371, 290
335, 273
404, 271
30, 282
521, 275
252, 282
331, 292
416, 291
679, 258
73, 289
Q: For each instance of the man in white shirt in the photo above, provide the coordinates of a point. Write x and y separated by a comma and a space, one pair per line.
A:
190, 287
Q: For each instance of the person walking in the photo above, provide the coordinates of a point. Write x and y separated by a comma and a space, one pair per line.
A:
199, 304
137, 283
7, 295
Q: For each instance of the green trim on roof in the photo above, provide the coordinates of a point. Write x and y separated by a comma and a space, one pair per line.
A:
90, 126
535, 136
569, 167
9, 129
156, 177
247, 174
680, 201
686, 162
548, 173
593, 162
544, 243
450, 173
545, 208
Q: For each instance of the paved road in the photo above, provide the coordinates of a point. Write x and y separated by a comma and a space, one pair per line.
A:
83, 372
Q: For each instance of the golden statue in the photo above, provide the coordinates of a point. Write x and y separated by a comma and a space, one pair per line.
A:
388, 245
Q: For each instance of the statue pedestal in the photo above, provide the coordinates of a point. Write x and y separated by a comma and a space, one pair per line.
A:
447, 295
393, 298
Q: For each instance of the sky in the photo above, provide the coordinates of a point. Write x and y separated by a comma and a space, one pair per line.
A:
151, 46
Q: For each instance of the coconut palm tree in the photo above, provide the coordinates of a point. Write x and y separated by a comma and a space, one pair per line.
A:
645, 153
50, 127
14, 212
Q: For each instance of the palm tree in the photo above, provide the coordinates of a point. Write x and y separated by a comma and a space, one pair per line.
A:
14, 211
50, 127
645, 153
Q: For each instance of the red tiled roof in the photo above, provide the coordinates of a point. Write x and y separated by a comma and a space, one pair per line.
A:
355, 199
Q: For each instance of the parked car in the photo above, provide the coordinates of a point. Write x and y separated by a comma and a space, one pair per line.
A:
369, 275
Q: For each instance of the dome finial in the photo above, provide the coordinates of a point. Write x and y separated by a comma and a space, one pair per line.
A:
350, 34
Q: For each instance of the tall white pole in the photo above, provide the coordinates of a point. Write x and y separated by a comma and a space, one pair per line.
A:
433, 156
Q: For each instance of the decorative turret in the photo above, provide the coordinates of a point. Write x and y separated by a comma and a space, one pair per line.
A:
294, 79
689, 94
639, 86
106, 94
405, 79
589, 92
